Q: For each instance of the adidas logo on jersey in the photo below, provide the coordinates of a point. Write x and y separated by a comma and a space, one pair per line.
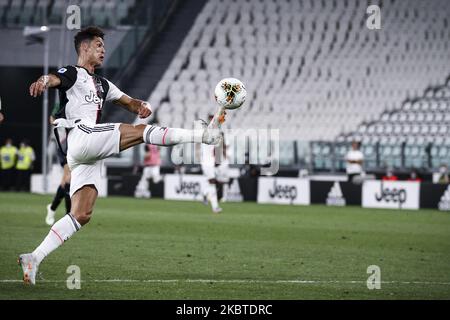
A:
444, 204
335, 196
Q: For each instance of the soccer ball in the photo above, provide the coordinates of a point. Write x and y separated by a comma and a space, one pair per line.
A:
230, 93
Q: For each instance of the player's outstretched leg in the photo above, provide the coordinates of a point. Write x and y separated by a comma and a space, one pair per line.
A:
164, 136
131, 135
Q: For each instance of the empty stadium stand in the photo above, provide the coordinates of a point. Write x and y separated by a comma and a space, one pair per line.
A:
312, 68
157, 56
316, 76
415, 135
105, 13
312, 74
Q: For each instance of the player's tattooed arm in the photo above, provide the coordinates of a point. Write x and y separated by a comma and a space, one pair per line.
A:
44, 82
136, 106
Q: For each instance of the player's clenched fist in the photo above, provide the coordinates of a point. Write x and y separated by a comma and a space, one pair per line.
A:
144, 110
43, 83
39, 86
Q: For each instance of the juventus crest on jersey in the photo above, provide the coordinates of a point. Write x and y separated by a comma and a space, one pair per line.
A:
83, 94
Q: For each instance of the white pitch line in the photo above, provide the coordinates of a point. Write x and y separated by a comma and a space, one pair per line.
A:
233, 281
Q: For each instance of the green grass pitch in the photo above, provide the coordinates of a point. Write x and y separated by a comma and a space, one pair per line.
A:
158, 249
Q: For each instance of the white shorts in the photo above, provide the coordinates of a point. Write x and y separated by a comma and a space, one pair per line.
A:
152, 172
222, 173
87, 145
209, 171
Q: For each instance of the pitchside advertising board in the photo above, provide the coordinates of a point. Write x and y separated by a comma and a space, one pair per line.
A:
184, 186
283, 191
444, 203
435, 196
391, 194
335, 193
191, 187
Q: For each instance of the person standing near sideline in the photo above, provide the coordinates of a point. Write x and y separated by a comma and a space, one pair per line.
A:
8, 158
24, 166
390, 175
355, 159
152, 164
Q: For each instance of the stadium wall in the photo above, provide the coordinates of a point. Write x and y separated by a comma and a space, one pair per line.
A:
300, 191
285, 191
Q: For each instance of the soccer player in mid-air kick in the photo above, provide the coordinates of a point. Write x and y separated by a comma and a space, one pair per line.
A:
83, 94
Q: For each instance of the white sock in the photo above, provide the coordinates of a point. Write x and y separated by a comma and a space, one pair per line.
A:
61, 231
225, 192
213, 196
163, 136
142, 184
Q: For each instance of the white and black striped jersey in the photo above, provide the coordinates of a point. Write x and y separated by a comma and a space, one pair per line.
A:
83, 94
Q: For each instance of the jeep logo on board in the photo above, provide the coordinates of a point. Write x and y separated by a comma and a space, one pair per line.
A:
188, 188
394, 195
283, 191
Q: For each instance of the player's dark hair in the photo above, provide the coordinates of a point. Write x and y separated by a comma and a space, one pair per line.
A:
87, 34
358, 143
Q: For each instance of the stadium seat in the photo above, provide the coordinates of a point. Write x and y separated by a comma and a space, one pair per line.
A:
13, 13
41, 9
415, 155
3, 8
369, 149
108, 13
28, 11
275, 50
